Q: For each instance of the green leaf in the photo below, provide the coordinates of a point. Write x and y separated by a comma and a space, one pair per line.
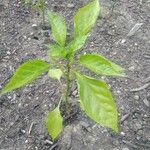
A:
76, 43
56, 51
85, 18
97, 102
26, 73
59, 29
55, 73
54, 123
101, 65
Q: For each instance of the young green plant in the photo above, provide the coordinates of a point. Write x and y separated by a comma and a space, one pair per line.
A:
96, 100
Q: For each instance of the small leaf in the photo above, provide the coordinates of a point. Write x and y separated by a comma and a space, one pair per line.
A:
101, 65
76, 43
59, 29
56, 51
85, 18
26, 73
97, 102
55, 73
54, 123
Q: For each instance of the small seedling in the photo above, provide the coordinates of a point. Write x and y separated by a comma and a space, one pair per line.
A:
39, 6
96, 100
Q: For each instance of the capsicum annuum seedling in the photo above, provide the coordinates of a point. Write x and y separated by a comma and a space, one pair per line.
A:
95, 98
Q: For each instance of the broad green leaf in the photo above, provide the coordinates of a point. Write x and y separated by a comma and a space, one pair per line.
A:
54, 123
97, 102
56, 51
85, 18
26, 73
76, 43
55, 73
59, 29
101, 65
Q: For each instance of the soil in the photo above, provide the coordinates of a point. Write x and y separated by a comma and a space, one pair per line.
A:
22, 111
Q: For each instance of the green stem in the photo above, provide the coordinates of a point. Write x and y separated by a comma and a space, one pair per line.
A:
68, 80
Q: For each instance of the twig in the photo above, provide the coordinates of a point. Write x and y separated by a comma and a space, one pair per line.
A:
140, 88
125, 117
146, 56
48, 142
52, 147
146, 80
30, 129
129, 144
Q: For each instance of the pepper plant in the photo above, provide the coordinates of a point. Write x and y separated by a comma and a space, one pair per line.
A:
95, 100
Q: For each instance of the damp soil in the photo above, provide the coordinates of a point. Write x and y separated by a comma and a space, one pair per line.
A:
122, 34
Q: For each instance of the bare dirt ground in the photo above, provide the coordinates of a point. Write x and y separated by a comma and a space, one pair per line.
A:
22, 111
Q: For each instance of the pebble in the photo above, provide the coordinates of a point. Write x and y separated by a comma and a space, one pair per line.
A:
75, 92
34, 26
136, 97
26, 141
8, 52
9, 97
70, 5
123, 41
122, 133
131, 68
23, 131
146, 102
125, 148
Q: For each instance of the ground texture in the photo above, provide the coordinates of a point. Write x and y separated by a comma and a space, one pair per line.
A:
122, 33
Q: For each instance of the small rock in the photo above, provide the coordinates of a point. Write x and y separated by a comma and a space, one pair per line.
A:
137, 125
23, 131
125, 148
111, 32
75, 92
34, 26
70, 5
8, 52
123, 41
9, 97
122, 133
131, 68
138, 138
26, 141
146, 102
29, 39
136, 97
25, 37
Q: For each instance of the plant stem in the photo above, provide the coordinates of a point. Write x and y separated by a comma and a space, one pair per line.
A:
43, 15
68, 80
